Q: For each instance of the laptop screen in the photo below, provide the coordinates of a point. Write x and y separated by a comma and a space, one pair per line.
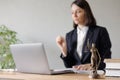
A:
30, 57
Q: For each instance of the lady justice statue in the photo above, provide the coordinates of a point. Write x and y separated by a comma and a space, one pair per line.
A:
95, 62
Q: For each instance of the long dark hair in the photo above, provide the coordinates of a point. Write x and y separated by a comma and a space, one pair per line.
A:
90, 20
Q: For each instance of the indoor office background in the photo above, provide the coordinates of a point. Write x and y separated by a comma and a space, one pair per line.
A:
43, 20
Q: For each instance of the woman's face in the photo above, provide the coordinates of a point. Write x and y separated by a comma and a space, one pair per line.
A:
78, 15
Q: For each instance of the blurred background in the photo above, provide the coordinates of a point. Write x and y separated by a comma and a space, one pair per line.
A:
43, 20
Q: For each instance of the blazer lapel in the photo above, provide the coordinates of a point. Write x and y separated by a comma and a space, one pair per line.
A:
88, 40
74, 47
74, 39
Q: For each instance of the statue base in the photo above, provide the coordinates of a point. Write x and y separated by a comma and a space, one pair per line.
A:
95, 75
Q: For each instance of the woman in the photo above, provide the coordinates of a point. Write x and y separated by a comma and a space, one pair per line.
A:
76, 47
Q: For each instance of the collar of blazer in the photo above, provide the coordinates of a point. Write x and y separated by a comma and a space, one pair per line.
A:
87, 43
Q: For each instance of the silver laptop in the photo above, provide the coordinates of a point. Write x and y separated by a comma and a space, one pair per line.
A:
31, 58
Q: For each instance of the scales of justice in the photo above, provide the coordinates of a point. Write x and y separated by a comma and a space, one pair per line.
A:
95, 62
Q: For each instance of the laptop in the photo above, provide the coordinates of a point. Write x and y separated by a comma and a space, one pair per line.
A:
31, 58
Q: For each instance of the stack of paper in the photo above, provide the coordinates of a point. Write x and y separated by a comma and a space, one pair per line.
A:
112, 67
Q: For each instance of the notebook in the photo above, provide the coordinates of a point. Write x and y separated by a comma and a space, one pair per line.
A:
31, 58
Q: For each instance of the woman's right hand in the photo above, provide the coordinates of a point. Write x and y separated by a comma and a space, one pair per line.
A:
61, 42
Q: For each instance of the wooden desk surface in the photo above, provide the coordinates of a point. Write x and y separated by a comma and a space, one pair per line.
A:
24, 76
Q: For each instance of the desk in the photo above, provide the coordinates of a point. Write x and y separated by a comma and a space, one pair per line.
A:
70, 76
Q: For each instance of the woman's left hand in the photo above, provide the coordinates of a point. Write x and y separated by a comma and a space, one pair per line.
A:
82, 67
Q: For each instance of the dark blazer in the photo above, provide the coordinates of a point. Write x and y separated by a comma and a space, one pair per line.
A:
95, 34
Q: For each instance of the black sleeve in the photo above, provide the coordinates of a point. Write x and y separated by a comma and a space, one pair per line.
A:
105, 46
69, 59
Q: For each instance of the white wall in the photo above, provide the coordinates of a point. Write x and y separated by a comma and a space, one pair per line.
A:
43, 20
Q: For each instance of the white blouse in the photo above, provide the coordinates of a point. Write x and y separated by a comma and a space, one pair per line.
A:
81, 35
